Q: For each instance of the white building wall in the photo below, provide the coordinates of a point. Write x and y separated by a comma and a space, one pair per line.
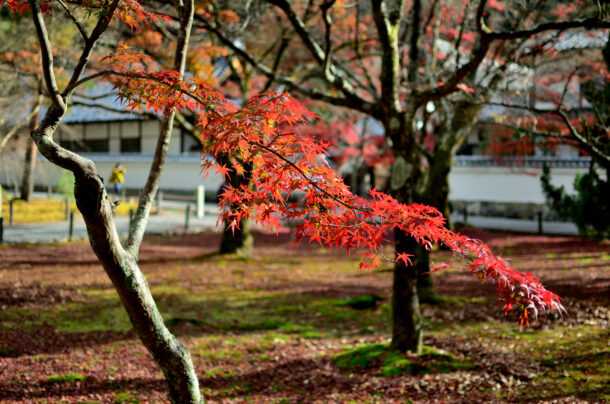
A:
96, 132
129, 130
506, 184
114, 145
150, 133
181, 173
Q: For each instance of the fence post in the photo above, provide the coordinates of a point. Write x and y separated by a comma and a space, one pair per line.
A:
67, 207
71, 228
539, 222
200, 201
186, 220
1, 230
465, 214
159, 199
11, 212
49, 191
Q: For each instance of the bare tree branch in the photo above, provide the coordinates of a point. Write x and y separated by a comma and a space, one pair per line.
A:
416, 15
100, 27
19, 125
387, 23
588, 23
299, 26
487, 36
587, 145
576, 135
80, 27
138, 225
332, 75
351, 100
325, 7
46, 56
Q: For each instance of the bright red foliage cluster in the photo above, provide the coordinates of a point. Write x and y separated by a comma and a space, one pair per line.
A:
294, 184
262, 134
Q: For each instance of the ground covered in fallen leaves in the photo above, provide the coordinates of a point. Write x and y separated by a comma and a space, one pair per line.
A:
300, 325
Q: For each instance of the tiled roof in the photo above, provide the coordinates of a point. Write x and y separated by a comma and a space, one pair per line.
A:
80, 114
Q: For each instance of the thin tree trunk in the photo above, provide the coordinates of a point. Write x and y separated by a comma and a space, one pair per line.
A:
29, 165
16, 128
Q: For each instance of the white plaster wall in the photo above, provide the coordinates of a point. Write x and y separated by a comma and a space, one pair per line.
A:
97, 131
115, 141
183, 173
180, 173
150, 134
177, 176
129, 130
506, 184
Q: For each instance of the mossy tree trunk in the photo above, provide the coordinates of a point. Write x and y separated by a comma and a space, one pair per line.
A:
405, 178
120, 262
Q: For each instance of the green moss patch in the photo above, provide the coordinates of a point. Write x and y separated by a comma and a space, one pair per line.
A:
379, 359
67, 378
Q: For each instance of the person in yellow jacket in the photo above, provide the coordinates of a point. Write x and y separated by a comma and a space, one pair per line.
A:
118, 178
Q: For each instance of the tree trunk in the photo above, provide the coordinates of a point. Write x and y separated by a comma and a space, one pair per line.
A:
29, 165
406, 315
405, 179
436, 194
458, 121
122, 268
237, 241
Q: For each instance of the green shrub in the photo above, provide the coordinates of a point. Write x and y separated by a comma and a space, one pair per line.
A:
589, 208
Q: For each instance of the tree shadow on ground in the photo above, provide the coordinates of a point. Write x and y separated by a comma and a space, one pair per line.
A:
46, 340
50, 390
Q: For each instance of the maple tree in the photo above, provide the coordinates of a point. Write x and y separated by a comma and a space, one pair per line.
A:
390, 60
261, 136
